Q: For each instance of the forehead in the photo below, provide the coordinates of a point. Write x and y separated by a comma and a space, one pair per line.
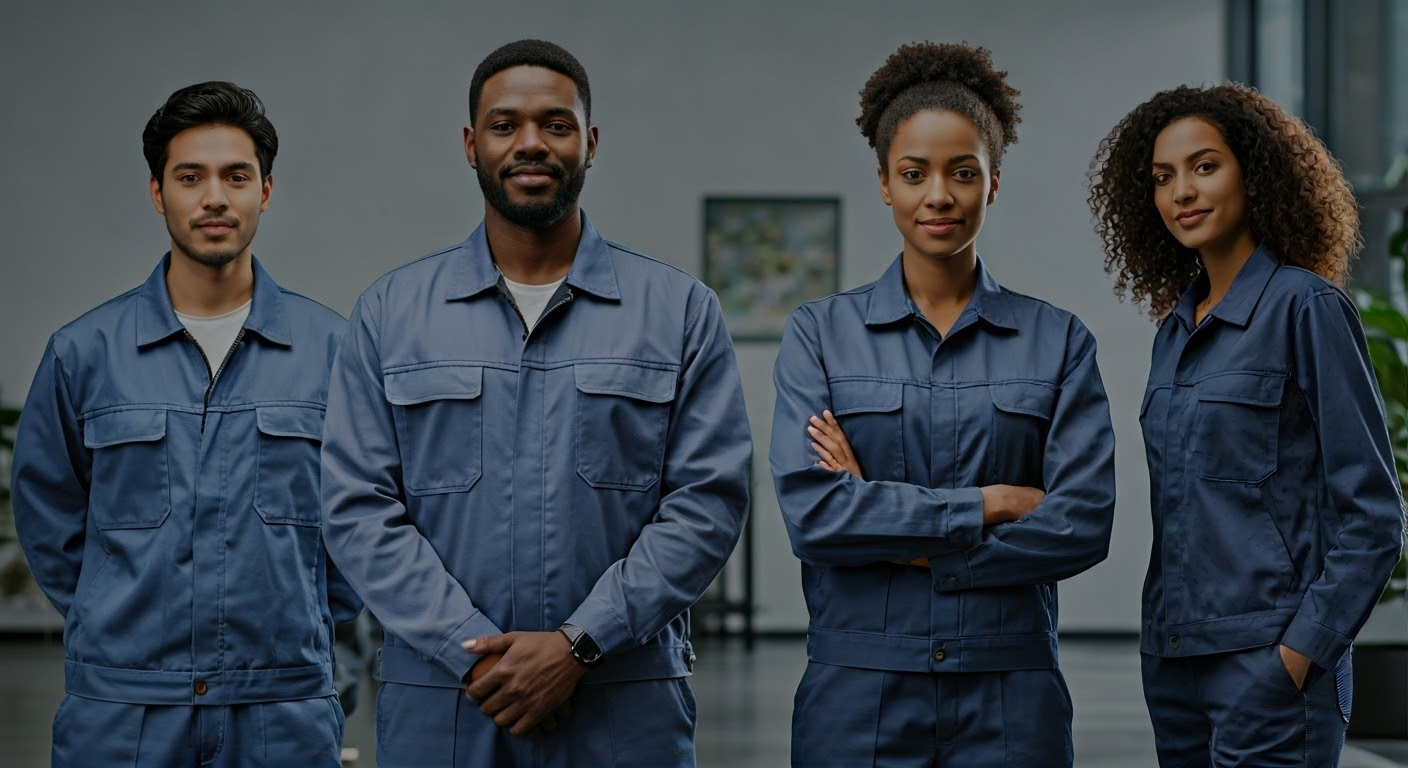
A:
529, 89
1187, 135
937, 132
212, 145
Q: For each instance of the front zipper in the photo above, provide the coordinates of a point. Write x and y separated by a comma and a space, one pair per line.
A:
514, 303
215, 376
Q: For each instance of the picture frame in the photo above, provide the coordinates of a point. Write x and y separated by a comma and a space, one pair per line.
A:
766, 256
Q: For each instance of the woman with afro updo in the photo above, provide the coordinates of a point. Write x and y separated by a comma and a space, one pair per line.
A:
1277, 509
943, 455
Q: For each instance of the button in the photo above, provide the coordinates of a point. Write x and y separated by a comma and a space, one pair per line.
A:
939, 655
1173, 641
200, 688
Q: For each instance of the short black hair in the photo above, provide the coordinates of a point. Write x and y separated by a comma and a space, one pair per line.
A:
949, 76
213, 103
531, 53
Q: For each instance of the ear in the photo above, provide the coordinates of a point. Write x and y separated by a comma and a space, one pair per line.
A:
883, 177
267, 189
157, 202
992, 191
469, 152
591, 145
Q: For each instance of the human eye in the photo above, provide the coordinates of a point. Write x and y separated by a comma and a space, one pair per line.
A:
188, 178
965, 174
1205, 167
560, 126
1161, 178
911, 174
238, 178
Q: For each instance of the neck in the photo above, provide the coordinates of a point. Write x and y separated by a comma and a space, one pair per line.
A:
1223, 262
532, 256
940, 283
199, 290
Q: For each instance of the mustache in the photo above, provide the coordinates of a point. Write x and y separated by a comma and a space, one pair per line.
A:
213, 220
534, 166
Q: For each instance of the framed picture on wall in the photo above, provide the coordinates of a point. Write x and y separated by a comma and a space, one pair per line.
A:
765, 256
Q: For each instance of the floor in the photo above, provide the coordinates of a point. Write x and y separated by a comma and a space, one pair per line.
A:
745, 703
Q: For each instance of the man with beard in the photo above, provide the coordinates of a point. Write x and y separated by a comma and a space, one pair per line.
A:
166, 486
535, 461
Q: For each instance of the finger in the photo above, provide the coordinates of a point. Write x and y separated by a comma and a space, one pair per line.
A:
526, 725
825, 455
825, 438
831, 418
495, 704
484, 688
511, 717
830, 466
488, 644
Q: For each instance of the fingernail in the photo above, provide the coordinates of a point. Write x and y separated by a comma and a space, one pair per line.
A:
468, 645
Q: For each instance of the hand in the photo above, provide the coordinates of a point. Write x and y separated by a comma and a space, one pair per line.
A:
486, 663
1297, 666
831, 445
920, 562
1005, 503
529, 687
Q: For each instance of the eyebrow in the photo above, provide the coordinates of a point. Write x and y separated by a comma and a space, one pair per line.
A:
955, 159
1188, 159
239, 166
549, 112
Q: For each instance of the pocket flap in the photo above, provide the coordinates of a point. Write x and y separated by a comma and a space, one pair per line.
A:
1258, 389
422, 385
1024, 397
134, 426
291, 421
860, 396
653, 385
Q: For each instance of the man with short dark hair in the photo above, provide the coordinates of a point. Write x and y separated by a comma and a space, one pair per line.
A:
535, 462
166, 487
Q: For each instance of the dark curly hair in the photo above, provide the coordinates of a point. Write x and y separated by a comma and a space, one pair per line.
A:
530, 53
213, 103
948, 76
1299, 205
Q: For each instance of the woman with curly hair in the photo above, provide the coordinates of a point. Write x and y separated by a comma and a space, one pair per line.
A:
943, 455
1277, 509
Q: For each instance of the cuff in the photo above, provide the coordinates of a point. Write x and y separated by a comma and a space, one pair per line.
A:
456, 660
1319, 643
603, 625
965, 519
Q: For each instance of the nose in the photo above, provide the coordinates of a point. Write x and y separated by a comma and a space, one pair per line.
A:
529, 143
1183, 189
215, 198
938, 195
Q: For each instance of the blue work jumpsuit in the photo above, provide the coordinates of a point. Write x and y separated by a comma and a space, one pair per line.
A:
954, 664
1277, 518
168, 504
480, 478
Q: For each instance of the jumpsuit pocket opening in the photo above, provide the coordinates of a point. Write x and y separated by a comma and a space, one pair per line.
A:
430, 403
623, 413
1024, 398
130, 482
287, 489
1236, 425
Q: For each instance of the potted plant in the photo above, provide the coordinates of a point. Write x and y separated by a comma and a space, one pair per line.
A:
1381, 650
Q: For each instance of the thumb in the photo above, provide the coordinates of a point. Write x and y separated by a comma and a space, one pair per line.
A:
487, 645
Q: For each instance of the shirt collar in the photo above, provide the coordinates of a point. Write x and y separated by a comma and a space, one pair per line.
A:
890, 301
156, 318
1242, 296
593, 269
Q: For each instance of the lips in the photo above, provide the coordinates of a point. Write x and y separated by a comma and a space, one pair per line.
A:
1190, 219
940, 226
532, 174
215, 226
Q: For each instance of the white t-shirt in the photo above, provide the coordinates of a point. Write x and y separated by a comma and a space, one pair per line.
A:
216, 335
532, 299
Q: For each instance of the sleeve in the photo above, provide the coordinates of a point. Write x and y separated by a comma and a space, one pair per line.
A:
369, 537
704, 497
49, 489
835, 518
1332, 368
1069, 531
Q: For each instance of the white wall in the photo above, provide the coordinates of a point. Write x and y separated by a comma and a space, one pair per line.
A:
729, 96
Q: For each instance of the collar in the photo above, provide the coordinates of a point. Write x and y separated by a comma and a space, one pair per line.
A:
156, 319
593, 269
890, 301
1242, 296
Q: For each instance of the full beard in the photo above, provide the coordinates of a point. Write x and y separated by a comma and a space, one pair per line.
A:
536, 215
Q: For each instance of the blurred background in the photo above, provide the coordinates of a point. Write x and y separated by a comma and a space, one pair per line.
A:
693, 100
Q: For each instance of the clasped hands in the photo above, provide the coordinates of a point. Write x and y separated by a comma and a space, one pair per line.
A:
523, 680
1001, 503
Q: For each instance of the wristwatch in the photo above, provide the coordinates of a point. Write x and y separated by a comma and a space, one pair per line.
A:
584, 648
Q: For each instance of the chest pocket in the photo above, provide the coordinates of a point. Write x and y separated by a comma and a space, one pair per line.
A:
131, 478
1236, 425
1021, 412
870, 414
287, 491
623, 412
439, 415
